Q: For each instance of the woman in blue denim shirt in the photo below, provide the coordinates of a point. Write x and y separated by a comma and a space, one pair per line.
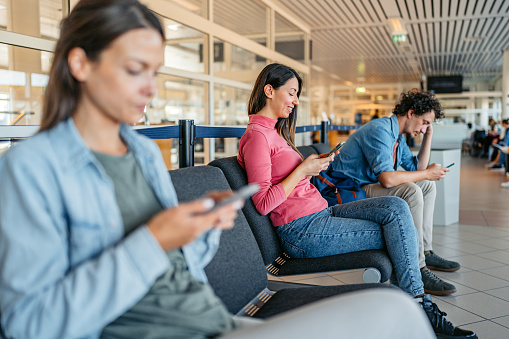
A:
68, 266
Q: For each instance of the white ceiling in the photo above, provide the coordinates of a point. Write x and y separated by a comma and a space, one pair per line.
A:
352, 38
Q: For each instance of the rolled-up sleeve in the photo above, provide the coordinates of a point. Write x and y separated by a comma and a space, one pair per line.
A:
378, 148
408, 161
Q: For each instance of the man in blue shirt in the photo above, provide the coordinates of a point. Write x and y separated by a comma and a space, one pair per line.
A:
371, 157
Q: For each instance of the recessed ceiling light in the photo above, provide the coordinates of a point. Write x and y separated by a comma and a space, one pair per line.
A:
174, 27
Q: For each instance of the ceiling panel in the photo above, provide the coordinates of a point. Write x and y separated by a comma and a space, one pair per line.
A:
352, 38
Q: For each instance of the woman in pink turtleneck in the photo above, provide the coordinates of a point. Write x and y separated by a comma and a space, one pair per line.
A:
306, 226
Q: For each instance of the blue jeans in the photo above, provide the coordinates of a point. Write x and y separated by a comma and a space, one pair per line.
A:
375, 223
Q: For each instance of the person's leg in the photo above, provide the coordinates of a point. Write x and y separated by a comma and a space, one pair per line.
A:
364, 314
412, 194
429, 194
433, 261
501, 160
415, 197
360, 225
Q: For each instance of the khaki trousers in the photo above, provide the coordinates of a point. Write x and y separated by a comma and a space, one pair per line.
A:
420, 197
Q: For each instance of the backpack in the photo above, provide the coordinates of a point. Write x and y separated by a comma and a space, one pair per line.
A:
337, 188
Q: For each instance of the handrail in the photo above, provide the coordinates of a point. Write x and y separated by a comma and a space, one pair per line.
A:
187, 132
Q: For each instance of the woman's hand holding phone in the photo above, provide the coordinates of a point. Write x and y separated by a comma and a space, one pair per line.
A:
314, 164
334, 151
177, 226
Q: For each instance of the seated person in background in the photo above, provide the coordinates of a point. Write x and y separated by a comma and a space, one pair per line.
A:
371, 157
92, 240
491, 137
306, 226
498, 157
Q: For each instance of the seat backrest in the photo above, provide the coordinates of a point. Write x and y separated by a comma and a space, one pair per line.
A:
321, 148
261, 226
278, 263
237, 273
306, 151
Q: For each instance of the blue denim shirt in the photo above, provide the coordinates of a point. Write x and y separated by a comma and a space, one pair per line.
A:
66, 269
367, 153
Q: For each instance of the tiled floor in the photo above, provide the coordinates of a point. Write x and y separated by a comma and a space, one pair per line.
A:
480, 242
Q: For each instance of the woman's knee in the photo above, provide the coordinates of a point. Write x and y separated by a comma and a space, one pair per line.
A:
398, 205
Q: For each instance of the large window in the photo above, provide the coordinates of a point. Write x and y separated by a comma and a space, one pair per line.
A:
22, 83
178, 98
193, 84
290, 40
235, 63
230, 105
40, 18
184, 47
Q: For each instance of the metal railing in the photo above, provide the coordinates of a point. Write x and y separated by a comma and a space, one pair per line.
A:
187, 132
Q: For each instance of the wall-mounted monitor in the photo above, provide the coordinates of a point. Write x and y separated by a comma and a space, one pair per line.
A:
445, 84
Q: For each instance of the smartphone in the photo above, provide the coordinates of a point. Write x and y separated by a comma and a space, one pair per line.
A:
242, 194
450, 165
338, 146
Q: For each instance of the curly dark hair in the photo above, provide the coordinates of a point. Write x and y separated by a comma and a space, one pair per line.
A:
420, 102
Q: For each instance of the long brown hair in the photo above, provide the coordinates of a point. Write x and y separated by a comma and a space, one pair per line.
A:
92, 25
276, 75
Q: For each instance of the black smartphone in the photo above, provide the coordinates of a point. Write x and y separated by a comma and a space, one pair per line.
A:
338, 146
241, 194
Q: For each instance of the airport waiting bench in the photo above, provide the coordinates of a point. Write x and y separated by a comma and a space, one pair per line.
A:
237, 273
376, 264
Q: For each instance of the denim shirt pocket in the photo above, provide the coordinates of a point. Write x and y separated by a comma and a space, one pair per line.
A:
86, 241
92, 219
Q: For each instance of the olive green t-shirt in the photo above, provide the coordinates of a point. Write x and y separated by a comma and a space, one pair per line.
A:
177, 305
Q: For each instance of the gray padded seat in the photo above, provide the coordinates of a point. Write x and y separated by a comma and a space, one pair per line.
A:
280, 264
237, 273
321, 148
306, 151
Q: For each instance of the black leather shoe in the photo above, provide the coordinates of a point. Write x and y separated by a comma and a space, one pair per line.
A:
434, 262
443, 328
434, 285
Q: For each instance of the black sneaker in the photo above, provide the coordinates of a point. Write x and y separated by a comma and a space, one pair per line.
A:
434, 262
434, 285
443, 328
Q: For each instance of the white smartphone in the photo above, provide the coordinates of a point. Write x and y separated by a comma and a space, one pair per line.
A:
242, 194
